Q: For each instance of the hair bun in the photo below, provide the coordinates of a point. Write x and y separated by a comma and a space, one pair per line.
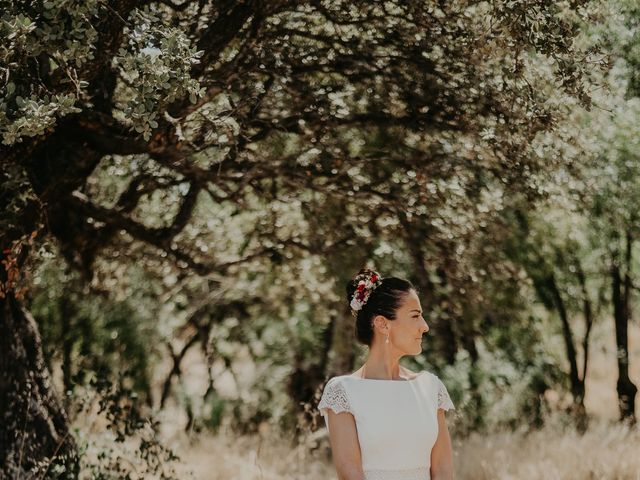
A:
374, 296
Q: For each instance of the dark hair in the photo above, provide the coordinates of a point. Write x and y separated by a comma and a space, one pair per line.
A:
385, 300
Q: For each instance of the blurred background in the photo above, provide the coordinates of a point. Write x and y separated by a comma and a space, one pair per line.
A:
187, 187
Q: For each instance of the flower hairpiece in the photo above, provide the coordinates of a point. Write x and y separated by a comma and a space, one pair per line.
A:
363, 291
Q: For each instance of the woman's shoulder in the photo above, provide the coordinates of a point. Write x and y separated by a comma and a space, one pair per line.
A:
335, 383
411, 375
334, 397
339, 379
442, 394
427, 373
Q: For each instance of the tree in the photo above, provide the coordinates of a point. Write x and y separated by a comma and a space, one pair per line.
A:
609, 183
406, 114
551, 245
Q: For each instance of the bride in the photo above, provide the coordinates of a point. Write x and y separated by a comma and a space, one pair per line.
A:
386, 422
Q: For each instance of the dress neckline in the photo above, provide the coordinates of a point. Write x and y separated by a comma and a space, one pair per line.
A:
419, 374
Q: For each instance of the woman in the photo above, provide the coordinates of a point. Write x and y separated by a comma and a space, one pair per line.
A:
386, 422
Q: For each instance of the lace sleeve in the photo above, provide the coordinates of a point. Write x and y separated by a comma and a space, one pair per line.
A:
444, 401
334, 397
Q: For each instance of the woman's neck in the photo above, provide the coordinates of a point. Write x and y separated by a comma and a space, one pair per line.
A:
381, 368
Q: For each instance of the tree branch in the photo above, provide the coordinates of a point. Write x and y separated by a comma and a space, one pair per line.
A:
175, 7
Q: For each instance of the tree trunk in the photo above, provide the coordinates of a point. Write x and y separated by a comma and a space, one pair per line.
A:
34, 432
587, 310
35, 441
305, 378
549, 293
445, 342
620, 289
342, 355
67, 312
577, 384
474, 377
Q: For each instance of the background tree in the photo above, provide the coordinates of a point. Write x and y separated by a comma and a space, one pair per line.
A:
134, 130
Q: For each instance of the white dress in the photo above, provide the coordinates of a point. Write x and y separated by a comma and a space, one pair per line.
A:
396, 421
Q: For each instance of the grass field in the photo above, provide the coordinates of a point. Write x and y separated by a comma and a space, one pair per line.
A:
607, 451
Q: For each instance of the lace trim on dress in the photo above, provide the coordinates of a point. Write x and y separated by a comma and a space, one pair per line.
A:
444, 401
421, 473
335, 398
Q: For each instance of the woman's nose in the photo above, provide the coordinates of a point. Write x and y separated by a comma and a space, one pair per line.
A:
425, 327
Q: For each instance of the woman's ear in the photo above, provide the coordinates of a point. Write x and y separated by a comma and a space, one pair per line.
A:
381, 322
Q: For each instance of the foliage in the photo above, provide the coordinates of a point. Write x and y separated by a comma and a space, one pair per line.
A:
131, 449
154, 69
85, 332
57, 33
220, 169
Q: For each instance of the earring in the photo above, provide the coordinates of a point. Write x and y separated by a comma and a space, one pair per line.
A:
387, 340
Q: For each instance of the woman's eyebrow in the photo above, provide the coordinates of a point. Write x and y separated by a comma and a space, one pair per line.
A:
416, 310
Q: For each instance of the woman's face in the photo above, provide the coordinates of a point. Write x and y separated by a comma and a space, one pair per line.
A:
405, 332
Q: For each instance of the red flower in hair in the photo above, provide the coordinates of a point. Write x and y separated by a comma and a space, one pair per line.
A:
363, 290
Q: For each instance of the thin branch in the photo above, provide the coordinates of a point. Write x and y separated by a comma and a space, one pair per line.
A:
176, 7
175, 369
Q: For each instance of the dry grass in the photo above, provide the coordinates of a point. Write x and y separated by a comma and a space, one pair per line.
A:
608, 451
248, 458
